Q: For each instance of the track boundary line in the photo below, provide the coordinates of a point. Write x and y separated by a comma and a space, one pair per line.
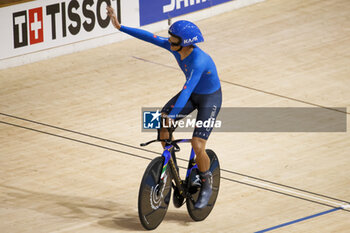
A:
146, 158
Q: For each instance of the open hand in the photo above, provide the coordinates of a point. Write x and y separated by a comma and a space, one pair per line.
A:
113, 17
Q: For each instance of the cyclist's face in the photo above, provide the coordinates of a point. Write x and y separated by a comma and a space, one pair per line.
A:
174, 43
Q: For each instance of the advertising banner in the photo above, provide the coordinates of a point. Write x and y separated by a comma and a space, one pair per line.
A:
152, 11
44, 24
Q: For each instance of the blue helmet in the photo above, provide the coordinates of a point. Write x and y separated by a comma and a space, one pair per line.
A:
187, 32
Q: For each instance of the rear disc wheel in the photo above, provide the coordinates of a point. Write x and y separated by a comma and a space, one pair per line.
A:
201, 214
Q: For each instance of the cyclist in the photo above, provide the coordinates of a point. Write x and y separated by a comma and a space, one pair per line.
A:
201, 91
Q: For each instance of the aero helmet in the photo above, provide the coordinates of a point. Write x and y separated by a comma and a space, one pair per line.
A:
187, 32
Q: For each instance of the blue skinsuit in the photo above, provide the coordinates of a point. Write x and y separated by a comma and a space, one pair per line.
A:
201, 75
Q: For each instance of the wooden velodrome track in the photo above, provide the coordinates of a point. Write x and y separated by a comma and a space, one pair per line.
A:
71, 126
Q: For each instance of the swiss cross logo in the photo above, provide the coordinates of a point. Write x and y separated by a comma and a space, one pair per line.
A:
20, 27
36, 31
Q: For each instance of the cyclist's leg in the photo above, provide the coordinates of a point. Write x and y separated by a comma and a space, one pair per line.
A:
202, 159
209, 107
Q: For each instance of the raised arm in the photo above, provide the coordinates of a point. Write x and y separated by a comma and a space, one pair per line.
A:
138, 33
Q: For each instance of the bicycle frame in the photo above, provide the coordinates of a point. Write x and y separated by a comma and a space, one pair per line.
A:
169, 160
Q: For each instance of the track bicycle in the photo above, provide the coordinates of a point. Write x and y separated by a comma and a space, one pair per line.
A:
162, 175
